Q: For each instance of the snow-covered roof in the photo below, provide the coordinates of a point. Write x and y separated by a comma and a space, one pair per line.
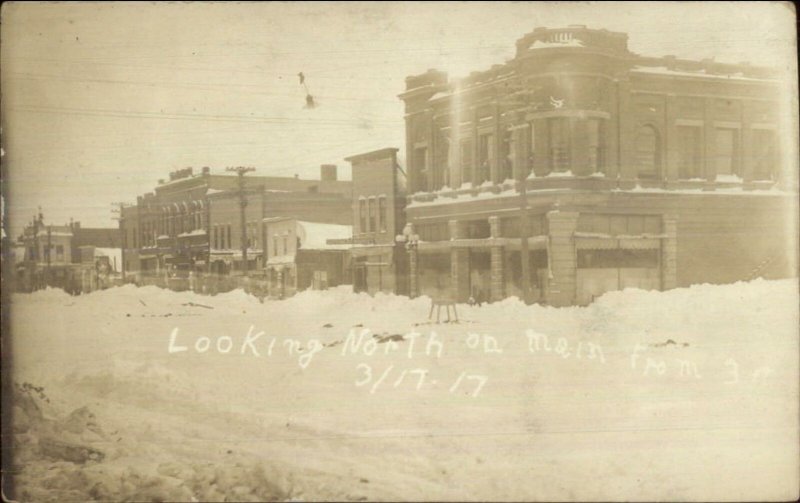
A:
314, 235
661, 70
574, 42
196, 232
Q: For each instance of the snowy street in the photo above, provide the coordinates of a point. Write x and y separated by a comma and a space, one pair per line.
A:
340, 396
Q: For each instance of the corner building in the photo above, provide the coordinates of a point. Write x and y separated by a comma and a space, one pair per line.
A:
637, 172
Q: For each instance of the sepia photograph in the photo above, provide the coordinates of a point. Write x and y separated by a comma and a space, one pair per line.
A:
399, 251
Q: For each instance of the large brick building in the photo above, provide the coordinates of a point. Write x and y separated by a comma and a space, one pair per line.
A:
637, 171
193, 221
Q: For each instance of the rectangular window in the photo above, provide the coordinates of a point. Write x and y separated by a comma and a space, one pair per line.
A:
433, 232
690, 152
382, 213
285, 246
726, 150
60, 252
485, 157
466, 160
421, 165
764, 153
274, 246
362, 213
595, 137
216, 237
134, 237
228, 240
510, 148
559, 144
372, 215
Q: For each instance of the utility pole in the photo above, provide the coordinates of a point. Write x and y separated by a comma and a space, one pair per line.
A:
121, 219
37, 222
49, 249
240, 171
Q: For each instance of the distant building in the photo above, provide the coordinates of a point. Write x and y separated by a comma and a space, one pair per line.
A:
192, 222
301, 255
638, 171
380, 262
66, 256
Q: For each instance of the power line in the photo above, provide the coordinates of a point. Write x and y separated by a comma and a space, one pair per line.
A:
188, 116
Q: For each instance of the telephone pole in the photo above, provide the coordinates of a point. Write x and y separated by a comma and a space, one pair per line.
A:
240, 171
48, 251
121, 219
38, 221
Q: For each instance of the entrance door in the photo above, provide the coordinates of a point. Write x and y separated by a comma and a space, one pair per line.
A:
480, 275
601, 271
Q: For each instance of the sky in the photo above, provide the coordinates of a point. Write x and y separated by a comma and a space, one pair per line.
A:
101, 100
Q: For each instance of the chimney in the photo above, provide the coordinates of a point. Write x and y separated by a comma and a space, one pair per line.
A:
206, 170
296, 176
327, 173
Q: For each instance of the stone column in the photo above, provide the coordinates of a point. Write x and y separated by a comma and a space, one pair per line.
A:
494, 226
669, 253
561, 288
497, 280
413, 279
459, 271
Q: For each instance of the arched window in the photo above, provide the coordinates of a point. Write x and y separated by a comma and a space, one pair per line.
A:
648, 152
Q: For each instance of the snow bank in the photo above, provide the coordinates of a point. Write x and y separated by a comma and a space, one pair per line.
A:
621, 389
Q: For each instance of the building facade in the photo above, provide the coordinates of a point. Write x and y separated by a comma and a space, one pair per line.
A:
193, 222
75, 258
380, 263
613, 169
301, 255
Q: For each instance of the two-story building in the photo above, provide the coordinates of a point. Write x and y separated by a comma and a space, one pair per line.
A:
301, 255
606, 169
380, 262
